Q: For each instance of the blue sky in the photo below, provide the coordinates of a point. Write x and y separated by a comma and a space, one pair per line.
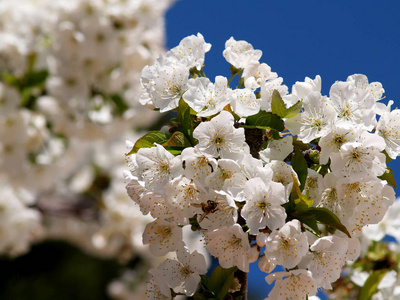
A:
333, 39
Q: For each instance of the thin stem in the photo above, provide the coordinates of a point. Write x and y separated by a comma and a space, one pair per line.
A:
230, 79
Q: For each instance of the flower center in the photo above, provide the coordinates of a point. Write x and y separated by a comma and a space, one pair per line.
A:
164, 231
218, 141
339, 140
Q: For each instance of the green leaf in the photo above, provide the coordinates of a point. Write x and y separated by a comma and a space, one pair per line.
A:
299, 144
194, 224
325, 216
265, 120
148, 140
221, 280
174, 150
388, 176
119, 103
34, 78
178, 139
205, 280
184, 121
300, 201
311, 222
278, 107
294, 110
10, 79
371, 285
299, 165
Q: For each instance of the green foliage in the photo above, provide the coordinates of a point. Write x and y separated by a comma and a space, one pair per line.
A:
323, 216
185, 122
371, 285
148, 141
299, 165
265, 120
178, 139
176, 143
34, 79
217, 285
119, 104
389, 177
294, 110
278, 107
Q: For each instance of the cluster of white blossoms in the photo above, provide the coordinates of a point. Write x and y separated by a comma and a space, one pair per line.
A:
69, 88
265, 175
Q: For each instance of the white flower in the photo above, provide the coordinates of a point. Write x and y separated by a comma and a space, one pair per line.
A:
157, 167
220, 178
360, 82
190, 51
390, 225
230, 245
359, 277
263, 205
326, 259
353, 107
240, 54
207, 98
219, 137
389, 128
277, 149
198, 165
360, 159
19, 225
267, 89
315, 121
331, 142
244, 103
300, 90
292, 285
371, 208
330, 199
255, 74
157, 288
303, 89
266, 265
288, 245
314, 186
218, 210
185, 271
389, 287
353, 249
180, 194
156, 205
283, 173
165, 83
162, 236
250, 167
169, 86
254, 254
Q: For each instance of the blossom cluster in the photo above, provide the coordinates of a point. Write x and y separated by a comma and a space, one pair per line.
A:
265, 175
69, 88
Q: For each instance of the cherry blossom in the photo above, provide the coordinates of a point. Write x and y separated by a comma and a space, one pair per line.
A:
293, 285
288, 245
219, 137
185, 271
230, 245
